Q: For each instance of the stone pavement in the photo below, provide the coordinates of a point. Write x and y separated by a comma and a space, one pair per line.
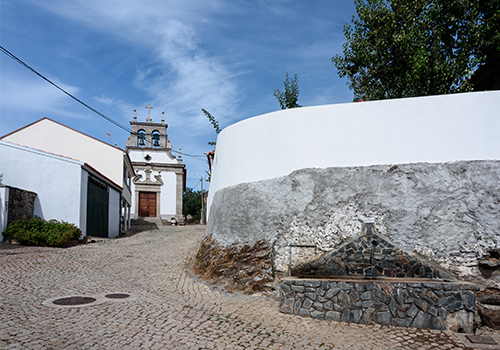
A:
171, 307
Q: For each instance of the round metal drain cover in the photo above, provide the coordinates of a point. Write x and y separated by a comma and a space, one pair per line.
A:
70, 301
117, 296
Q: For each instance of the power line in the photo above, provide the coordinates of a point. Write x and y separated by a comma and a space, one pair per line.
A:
4, 50
8, 53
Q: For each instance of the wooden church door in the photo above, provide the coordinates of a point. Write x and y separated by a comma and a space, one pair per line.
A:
147, 204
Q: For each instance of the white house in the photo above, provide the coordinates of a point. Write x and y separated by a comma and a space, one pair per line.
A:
160, 177
67, 189
110, 162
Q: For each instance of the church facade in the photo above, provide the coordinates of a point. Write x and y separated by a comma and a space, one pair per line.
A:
160, 176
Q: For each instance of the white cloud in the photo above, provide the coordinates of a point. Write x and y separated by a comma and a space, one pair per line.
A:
182, 77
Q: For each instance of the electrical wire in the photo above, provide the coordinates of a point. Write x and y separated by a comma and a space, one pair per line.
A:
8, 53
5, 51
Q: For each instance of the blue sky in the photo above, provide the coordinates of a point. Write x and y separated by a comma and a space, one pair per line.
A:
180, 56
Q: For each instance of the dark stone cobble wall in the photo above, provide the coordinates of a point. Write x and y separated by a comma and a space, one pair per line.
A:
416, 304
372, 256
21, 204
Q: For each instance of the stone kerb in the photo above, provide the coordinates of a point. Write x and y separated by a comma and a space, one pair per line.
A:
419, 304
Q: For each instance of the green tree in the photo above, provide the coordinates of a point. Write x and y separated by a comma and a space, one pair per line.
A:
406, 48
289, 97
191, 204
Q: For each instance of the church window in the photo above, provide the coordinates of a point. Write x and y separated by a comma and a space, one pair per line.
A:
141, 138
156, 139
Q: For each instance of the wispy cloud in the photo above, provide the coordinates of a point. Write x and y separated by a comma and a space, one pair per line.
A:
182, 77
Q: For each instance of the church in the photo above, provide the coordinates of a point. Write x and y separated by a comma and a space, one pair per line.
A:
160, 177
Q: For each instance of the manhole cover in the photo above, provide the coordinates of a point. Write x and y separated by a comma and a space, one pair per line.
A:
117, 296
480, 339
70, 301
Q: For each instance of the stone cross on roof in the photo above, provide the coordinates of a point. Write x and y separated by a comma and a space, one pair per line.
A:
149, 120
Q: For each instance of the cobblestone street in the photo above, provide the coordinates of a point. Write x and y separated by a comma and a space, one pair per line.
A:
170, 307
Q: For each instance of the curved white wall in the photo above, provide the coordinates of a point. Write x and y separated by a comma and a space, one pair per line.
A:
425, 129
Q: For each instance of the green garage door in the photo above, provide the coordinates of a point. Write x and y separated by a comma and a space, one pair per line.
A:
97, 208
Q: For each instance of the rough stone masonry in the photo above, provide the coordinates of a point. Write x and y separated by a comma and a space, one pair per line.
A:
446, 213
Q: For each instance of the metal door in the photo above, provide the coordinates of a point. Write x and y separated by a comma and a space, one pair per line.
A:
97, 208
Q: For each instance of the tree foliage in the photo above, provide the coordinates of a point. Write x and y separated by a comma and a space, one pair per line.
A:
289, 97
191, 204
406, 48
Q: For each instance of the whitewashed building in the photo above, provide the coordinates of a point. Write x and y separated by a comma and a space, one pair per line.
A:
160, 177
67, 189
104, 192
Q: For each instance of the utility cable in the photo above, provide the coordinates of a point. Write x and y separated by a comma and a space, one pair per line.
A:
8, 53
4, 50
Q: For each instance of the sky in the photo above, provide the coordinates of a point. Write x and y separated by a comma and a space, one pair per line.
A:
225, 56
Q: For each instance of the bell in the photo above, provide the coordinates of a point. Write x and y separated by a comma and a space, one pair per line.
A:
156, 143
141, 142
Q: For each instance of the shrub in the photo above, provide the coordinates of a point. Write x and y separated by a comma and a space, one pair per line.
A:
36, 231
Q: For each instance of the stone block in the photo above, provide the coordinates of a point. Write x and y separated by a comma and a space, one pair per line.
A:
422, 320
304, 312
311, 296
445, 301
296, 307
328, 305
366, 295
367, 315
437, 323
317, 306
356, 315
333, 316
314, 284
470, 300
422, 305
401, 322
412, 311
344, 286
285, 287
393, 307
307, 303
317, 314
286, 309
398, 295
454, 306
332, 292
297, 288
360, 287
383, 318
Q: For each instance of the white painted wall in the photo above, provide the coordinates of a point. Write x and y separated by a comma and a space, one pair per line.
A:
157, 156
49, 136
114, 213
425, 129
168, 195
4, 206
84, 183
55, 179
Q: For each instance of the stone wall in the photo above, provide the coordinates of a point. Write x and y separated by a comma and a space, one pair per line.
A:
446, 213
369, 256
405, 304
241, 268
21, 204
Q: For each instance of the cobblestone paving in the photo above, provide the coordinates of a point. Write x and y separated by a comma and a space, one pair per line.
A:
173, 309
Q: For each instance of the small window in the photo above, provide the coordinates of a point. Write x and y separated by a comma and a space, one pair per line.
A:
156, 139
141, 138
